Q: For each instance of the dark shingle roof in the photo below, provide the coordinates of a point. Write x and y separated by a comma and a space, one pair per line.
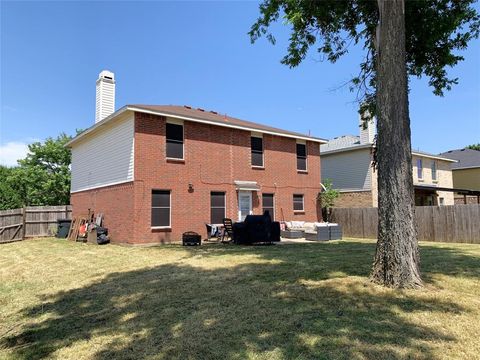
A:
215, 117
466, 158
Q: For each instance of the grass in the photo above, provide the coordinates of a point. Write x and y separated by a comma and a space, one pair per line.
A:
64, 300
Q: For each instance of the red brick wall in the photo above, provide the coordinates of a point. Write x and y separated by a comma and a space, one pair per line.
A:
214, 157
115, 202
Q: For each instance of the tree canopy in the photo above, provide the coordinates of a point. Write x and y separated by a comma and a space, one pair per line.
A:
42, 178
435, 30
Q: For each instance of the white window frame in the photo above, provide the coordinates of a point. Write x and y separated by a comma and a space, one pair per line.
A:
273, 196
219, 207
302, 142
434, 171
160, 207
420, 170
260, 136
175, 122
303, 203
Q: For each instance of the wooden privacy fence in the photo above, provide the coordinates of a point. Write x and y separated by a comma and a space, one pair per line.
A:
455, 223
31, 221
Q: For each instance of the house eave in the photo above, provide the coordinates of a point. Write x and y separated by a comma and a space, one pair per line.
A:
110, 118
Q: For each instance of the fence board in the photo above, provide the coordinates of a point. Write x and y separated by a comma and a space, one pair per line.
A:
33, 220
455, 223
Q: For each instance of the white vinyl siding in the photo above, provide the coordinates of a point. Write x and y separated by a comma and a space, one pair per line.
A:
349, 170
105, 157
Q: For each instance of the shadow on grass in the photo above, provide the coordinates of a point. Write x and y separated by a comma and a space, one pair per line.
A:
278, 309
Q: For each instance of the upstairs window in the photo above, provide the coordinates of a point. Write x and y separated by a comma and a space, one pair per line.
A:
298, 203
301, 157
174, 137
419, 169
267, 205
160, 208
434, 170
217, 207
256, 144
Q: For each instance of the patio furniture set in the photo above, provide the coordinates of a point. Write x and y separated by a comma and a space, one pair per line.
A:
315, 231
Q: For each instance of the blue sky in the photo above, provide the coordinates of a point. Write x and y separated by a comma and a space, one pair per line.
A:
194, 53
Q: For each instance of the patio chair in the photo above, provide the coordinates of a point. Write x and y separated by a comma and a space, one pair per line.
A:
227, 230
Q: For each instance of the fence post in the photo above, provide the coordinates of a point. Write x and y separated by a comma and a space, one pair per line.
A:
24, 222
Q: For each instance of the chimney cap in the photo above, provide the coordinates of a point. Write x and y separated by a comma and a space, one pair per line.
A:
106, 74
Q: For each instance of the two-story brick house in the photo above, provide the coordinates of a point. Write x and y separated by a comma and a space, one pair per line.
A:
158, 171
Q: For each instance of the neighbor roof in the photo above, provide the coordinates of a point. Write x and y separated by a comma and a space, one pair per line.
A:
200, 115
351, 143
466, 158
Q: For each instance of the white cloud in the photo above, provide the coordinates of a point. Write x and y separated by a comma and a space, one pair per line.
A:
12, 151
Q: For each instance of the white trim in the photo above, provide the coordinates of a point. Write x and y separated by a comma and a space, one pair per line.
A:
140, 110
303, 203
102, 186
273, 198
353, 190
179, 123
263, 152
96, 126
224, 207
306, 156
349, 148
250, 209
432, 156
365, 146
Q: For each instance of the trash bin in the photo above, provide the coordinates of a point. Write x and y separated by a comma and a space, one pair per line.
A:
63, 227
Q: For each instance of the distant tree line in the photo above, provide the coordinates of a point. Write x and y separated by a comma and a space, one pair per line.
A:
474, 147
42, 178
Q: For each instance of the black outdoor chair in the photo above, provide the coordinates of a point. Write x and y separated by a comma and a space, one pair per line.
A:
227, 230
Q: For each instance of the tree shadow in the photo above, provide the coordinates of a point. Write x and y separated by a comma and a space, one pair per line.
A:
288, 306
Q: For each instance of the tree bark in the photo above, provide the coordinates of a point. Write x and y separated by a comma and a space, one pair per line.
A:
396, 262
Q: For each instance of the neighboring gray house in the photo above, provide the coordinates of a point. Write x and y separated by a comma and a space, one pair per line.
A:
347, 162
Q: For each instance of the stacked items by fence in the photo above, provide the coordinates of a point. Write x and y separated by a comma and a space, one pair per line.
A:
456, 223
31, 221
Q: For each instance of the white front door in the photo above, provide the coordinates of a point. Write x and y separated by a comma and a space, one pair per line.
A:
244, 204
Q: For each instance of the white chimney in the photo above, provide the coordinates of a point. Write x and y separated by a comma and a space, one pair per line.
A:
105, 101
367, 130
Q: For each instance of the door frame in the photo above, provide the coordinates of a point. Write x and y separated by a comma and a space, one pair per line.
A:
244, 192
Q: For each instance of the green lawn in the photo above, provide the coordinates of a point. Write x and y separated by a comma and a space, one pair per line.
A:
68, 300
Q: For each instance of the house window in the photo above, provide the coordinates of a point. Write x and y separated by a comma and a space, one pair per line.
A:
174, 141
298, 202
217, 207
301, 157
161, 208
442, 201
419, 169
257, 151
434, 170
268, 205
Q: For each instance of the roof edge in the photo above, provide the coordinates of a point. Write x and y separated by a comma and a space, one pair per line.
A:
187, 118
233, 126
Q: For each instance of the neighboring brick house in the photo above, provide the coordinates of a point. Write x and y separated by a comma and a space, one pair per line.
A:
158, 171
347, 162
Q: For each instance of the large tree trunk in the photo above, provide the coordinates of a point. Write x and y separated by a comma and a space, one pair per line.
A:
396, 260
